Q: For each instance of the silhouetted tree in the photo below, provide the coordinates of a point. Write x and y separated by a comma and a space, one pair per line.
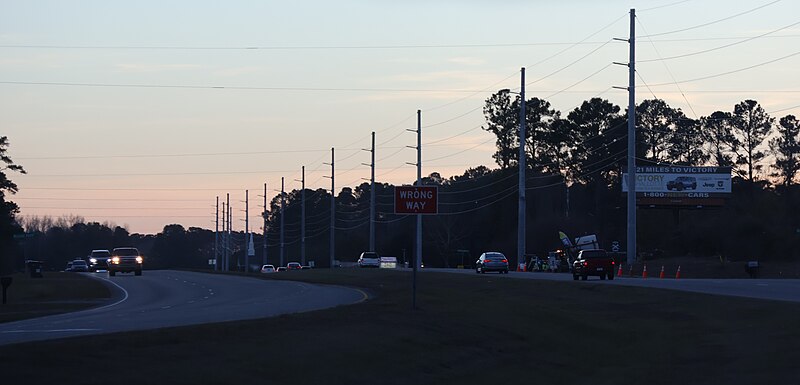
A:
8, 209
751, 124
786, 148
718, 138
657, 123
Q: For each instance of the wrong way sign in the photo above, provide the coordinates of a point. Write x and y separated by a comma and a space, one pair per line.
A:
416, 200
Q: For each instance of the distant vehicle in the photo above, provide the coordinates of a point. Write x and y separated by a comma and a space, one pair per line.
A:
69, 266
682, 183
294, 266
593, 262
492, 261
98, 260
80, 266
125, 260
369, 259
267, 269
280, 268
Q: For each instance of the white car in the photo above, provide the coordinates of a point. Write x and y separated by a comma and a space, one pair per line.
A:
369, 259
267, 269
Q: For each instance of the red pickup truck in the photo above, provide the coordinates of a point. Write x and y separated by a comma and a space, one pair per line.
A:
593, 262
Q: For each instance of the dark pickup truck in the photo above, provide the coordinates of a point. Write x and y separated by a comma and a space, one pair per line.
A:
593, 262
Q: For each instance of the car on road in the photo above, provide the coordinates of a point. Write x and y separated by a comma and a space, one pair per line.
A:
369, 259
69, 266
267, 269
80, 266
98, 260
595, 262
125, 260
682, 183
280, 268
492, 261
294, 266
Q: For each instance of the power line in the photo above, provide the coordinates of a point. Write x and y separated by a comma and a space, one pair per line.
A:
250, 88
712, 22
715, 48
729, 72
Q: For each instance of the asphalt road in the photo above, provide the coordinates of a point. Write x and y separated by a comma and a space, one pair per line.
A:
176, 298
773, 289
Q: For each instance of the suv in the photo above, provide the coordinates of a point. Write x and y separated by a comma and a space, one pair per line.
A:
125, 260
369, 259
98, 260
593, 262
682, 183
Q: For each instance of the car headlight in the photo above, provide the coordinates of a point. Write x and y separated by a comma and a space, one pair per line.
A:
92, 260
139, 260
115, 260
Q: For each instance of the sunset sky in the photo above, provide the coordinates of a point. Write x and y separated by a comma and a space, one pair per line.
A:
140, 113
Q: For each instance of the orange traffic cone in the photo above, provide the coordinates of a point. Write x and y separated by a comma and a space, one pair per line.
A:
661, 275
678, 273
619, 271
644, 272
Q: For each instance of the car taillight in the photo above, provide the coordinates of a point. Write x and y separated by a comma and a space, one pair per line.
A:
585, 263
505, 261
487, 260
612, 262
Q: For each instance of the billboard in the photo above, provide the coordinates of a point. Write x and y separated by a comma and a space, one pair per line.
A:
680, 185
695, 182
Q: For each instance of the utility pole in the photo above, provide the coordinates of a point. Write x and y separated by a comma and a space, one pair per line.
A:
333, 212
522, 168
216, 238
228, 232
282, 222
264, 214
631, 180
246, 230
631, 252
418, 262
223, 264
303, 217
418, 251
372, 195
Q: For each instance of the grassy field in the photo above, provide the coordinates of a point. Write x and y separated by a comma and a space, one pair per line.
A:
468, 330
57, 292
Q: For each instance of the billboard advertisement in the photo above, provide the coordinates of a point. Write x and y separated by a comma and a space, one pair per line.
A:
680, 182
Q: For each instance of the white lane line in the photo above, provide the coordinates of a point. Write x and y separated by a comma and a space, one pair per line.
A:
51, 331
166, 307
124, 297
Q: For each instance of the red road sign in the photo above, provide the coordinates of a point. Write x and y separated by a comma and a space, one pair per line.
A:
416, 200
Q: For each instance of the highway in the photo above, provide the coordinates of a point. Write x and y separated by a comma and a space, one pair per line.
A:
167, 298
772, 289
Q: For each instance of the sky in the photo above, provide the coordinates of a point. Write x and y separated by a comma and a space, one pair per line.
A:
140, 114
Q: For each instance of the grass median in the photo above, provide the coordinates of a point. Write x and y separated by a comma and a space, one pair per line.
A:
468, 329
56, 292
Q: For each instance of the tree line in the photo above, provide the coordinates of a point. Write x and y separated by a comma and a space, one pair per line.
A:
573, 184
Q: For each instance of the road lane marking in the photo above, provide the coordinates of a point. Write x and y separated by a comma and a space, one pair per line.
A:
364, 295
124, 297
